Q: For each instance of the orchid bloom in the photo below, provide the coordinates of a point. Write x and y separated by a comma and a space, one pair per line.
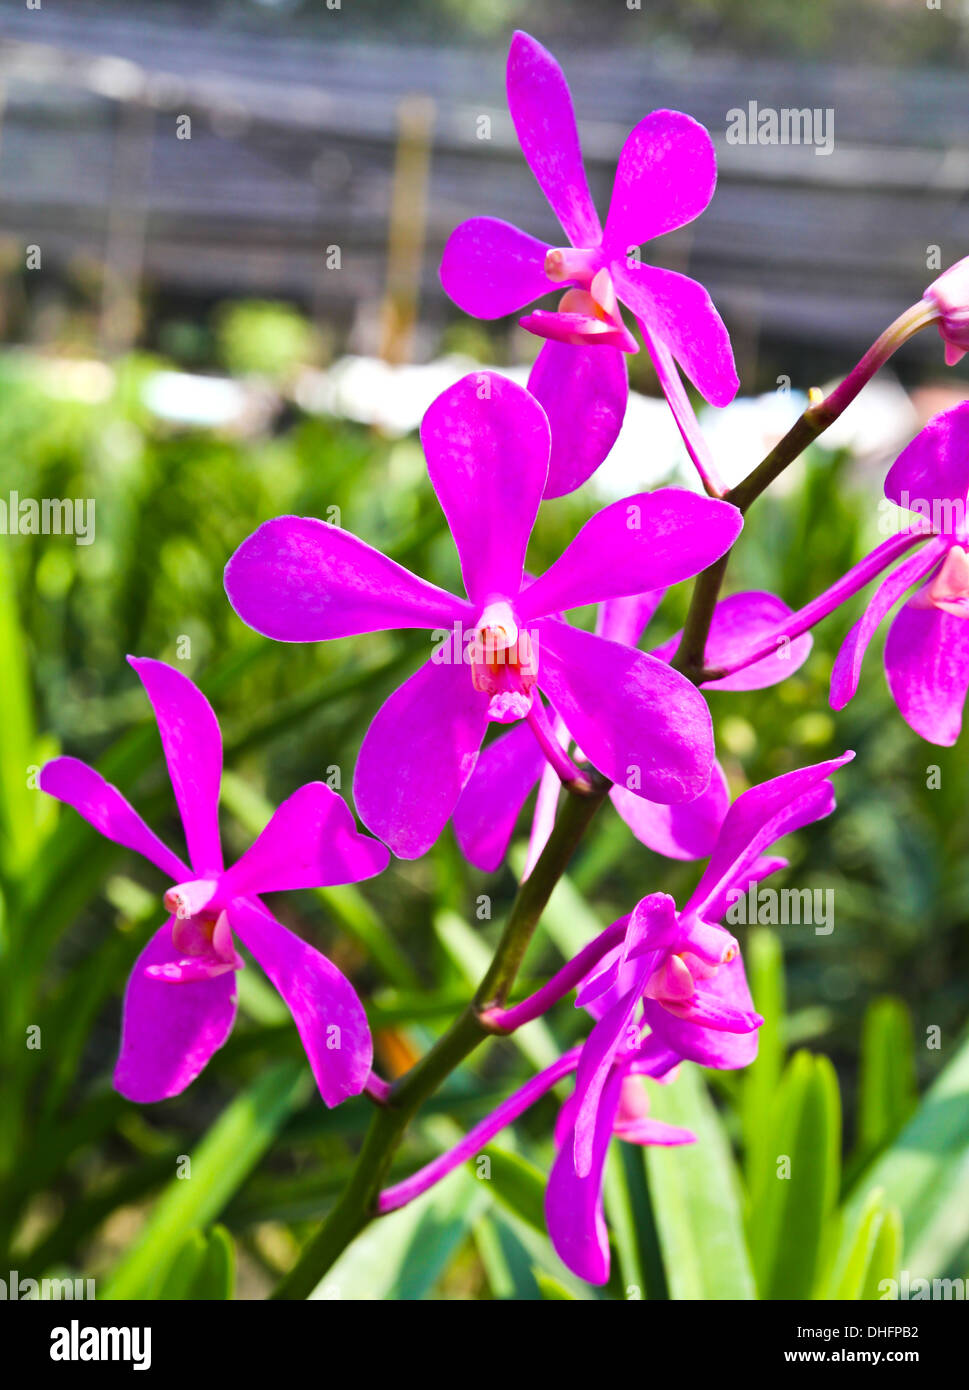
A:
573, 1205
665, 178
180, 1001
949, 294
297, 579
668, 986
927, 648
510, 767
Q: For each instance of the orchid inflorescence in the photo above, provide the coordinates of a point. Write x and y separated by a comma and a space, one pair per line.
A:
589, 713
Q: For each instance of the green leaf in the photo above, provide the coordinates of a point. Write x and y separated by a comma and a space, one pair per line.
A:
224, 1159
887, 1092
179, 1283
794, 1190
695, 1195
764, 961
551, 1288
925, 1173
216, 1275
886, 1257
518, 1184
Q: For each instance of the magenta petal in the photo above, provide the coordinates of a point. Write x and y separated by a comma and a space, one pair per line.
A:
573, 1205
490, 804
311, 841
541, 109
671, 384
665, 178
583, 391
681, 314
575, 329
710, 1047
927, 665
79, 786
328, 1015
487, 445
686, 831
639, 722
490, 268
643, 542
755, 821
625, 619
417, 756
934, 468
297, 579
192, 743
649, 1132
169, 1031
847, 666
738, 622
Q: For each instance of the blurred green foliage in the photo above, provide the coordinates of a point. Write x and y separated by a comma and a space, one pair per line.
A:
88, 1182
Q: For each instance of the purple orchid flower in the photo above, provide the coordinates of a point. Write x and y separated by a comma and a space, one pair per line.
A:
949, 294
665, 178
487, 446
180, 1001
927, 648
574, 1211
511, 766
664, 986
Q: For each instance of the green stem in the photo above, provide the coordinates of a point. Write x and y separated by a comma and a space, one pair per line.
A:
357, 1206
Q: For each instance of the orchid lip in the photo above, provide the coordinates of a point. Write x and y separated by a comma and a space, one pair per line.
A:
190, 899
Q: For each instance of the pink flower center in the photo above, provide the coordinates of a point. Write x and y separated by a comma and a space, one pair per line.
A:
504, 663
949, 590
674, 984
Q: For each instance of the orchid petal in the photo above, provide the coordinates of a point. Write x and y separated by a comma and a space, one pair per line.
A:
541, 110
640, 723
643, 542
666, 176
487, 445
489, 806
328, 1015
311, 841
192, 743
927, 665
573, 1204
680, 314
686, 831
738, 622
417, 756
297, 579
626, 619
931, 475
490, 269
654, 914
699, 1042
759, 818
100, 803
583, 391
169, 1031
847, 666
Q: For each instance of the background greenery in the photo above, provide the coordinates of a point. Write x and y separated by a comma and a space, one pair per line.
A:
88, 1182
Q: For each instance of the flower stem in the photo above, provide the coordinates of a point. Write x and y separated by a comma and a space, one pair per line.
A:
359, 1202
689, 658
516, 1104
